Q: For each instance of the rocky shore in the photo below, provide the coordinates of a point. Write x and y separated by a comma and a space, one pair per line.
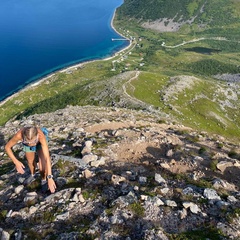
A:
122, 174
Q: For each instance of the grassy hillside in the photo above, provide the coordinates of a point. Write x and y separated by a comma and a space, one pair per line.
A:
213, 13
191, 76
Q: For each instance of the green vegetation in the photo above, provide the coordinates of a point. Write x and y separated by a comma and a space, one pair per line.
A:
201, 183
216, 12
3, 215
45, 216
91, 194
6, 167
65, 167
212, 67
234, 214
213, 165
202, 150
203, 234
137, 209
233, 153
155, 10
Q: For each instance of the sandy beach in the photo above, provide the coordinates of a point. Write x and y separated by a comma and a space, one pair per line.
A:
45, 78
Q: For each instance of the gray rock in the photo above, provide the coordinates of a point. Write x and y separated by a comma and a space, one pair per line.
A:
62, 217
165, 190
155, 234
220, 183
68, 236
125, 200
222, 204
19, 189
142, 180
4, 235
192, 206
169, 153
171, 203
182, 213
211, 194
88, 144
78, 161
232, 199
159, 178
231, 232
157, 201
98, 163
89, 158
31, 198
223, 165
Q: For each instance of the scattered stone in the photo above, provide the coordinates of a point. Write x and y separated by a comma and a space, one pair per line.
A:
118, 180
32, 210
171, 203
62, 217
9, 213
169, 153
4, 235
157, 201
232, 199
89, 158
142, 180
98, 163
87, 173
211, 194
192, 206
159, 179
183, 213
165, 165
81, 198
223, 165
220, 183
226, 229
19, 189
165, 190
31, 198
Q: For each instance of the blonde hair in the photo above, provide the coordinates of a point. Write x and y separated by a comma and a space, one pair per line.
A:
29, 132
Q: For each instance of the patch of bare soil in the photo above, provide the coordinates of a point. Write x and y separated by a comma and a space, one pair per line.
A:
159, 146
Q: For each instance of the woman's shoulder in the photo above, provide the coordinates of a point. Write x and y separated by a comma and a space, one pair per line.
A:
40, 132
41, 135
19, 133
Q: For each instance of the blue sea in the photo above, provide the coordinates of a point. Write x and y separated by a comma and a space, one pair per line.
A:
39, 37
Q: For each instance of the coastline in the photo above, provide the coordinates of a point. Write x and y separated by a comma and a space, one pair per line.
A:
63, 70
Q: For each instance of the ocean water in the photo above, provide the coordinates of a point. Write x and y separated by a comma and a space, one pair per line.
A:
39, 37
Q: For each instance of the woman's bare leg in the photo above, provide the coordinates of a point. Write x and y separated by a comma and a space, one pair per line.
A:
31, 162
42, 164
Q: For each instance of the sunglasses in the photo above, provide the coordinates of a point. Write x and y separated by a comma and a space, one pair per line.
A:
30, 142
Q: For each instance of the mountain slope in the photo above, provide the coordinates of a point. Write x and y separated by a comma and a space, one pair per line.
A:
215, 13
121, 174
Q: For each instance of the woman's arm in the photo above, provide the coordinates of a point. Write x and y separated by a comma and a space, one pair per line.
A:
8, 147
45, 149
47, 159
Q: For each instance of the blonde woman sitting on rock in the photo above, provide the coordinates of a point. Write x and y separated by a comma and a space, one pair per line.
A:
33, 140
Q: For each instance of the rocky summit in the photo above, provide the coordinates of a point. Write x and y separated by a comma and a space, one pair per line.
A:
122, 174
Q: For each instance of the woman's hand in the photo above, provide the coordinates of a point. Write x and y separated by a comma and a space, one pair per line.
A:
51, 185
20, 167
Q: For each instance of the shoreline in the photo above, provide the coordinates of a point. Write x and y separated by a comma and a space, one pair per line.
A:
63, 70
